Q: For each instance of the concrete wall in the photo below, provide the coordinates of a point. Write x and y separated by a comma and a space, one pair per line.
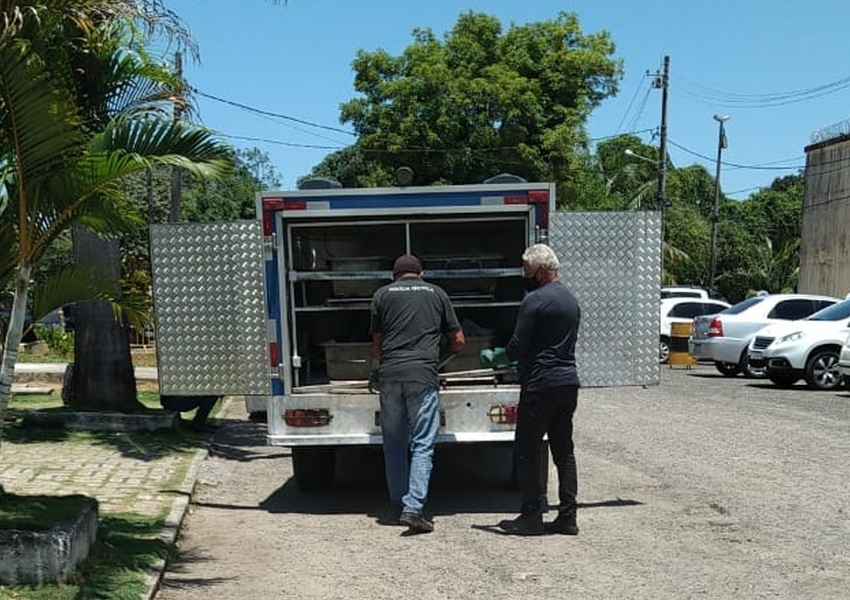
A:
825, 239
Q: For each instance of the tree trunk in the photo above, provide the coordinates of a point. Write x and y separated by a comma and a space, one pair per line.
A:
103, 376
11, 343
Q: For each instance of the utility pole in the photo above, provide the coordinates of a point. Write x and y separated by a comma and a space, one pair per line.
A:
662, 81
176, 188
721, 144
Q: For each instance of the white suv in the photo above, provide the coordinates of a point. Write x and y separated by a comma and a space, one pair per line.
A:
683, 292
724, 337
808, 348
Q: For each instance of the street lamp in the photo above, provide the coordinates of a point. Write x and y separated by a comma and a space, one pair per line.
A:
721, 144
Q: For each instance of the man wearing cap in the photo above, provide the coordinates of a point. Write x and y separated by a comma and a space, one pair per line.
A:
409, 317
544, 343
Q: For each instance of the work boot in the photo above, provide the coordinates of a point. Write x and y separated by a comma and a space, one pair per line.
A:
525, 524
564, 524
417, 523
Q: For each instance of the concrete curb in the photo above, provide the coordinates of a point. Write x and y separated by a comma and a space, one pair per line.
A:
174, 520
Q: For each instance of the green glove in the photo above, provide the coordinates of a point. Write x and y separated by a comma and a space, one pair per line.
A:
495, 358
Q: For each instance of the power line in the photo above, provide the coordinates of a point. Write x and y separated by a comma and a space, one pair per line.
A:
761, 100
764, 167
267, 113
278, 142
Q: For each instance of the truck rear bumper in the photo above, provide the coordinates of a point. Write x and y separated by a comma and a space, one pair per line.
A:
494, 437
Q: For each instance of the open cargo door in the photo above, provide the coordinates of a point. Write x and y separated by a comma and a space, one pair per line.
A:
209, 305
612, 263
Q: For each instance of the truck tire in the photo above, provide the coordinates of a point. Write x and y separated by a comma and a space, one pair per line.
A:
314, 468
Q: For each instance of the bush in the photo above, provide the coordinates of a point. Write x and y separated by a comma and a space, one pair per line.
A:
60, 342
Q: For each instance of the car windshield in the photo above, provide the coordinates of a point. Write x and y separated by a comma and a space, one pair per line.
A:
742, 305
836, 312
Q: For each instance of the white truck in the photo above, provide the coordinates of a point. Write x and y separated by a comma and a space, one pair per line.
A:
277, 309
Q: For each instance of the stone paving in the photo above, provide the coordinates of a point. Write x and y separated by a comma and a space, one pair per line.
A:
122, 480
122, 484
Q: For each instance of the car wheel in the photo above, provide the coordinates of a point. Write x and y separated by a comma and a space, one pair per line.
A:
727, 369
748, 371
822, 370
663, 350
784, 380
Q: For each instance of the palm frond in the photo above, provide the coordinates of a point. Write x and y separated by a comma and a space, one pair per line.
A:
39, 119
167, 142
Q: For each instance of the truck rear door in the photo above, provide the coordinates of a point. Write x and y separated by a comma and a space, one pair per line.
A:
612, 263
209, 301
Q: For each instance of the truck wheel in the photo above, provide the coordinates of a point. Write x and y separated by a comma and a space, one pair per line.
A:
314, 468
822, 370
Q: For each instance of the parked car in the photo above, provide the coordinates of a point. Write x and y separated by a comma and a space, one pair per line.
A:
724, 338
683, 292
805, 349
683, 310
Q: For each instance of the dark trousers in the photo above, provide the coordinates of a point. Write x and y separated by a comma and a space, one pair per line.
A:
204, 404
549, 412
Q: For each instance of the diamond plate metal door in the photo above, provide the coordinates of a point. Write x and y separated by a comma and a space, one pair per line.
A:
209, 306
612, 263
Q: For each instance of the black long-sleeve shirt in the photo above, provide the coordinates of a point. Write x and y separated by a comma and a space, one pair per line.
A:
544, 339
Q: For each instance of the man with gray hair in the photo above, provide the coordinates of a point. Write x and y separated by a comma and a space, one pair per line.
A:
543, 343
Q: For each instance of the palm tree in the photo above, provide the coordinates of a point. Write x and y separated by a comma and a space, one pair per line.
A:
54, 171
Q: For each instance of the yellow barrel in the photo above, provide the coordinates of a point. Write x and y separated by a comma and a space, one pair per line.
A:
679, 355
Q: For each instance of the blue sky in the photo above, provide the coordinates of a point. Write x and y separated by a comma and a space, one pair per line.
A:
777, 68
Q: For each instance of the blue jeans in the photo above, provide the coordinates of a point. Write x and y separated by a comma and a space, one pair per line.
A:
410, 420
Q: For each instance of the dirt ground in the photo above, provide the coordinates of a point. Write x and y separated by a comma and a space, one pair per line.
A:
704, 487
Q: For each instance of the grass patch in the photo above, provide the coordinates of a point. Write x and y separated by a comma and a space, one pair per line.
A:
140, 358
46, 401
126, 546
38, 513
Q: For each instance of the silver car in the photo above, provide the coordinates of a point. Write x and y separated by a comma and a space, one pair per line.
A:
724, 337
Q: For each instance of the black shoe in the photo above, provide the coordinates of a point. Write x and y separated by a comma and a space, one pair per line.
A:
525, 524
390, 516
564, 524
418, 523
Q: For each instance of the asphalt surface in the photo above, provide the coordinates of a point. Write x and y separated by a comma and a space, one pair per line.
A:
703, 487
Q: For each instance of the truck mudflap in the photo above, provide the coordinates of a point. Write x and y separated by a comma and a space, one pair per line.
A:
612, 263
209, 301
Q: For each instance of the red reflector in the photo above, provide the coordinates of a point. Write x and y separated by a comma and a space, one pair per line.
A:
516, 200
274, 354
503, 414
273, 203
307, 417
295, 205
538, 197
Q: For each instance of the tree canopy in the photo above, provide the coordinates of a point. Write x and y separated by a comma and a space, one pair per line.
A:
479, 102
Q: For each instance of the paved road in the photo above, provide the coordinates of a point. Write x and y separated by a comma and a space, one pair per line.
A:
704, 487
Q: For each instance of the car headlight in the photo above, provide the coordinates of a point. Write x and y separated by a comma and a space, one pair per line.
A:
791, 337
